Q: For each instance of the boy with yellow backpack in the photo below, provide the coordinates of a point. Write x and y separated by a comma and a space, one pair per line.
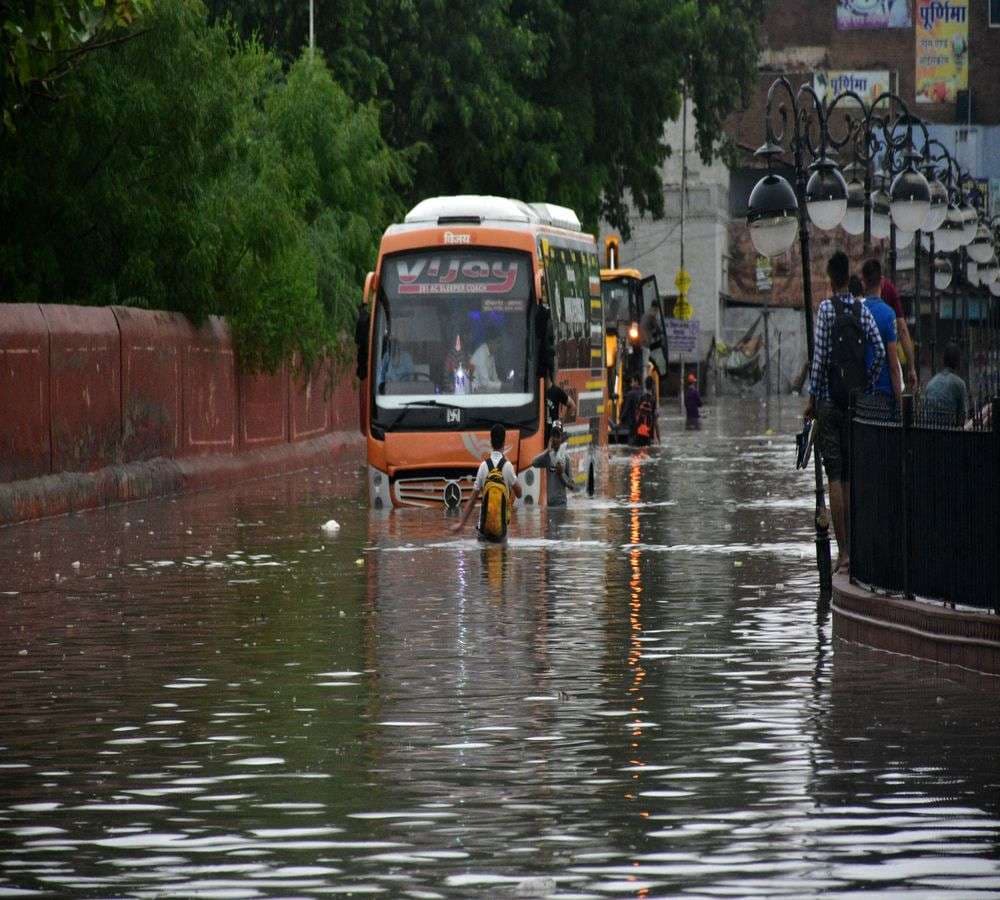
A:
496, 480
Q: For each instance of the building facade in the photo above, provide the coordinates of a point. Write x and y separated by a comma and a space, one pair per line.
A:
941, 57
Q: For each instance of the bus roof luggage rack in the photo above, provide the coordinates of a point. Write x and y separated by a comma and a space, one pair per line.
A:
557, 216
470, 209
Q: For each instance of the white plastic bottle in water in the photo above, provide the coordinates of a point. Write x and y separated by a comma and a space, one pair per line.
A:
461, 381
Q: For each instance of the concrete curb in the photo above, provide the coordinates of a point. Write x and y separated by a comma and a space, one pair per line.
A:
66, 492
925, 630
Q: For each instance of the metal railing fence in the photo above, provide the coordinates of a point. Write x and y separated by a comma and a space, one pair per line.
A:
925, 500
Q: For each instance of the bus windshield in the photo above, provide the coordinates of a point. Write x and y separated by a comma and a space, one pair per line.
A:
453, 327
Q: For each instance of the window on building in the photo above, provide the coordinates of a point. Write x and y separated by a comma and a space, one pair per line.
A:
994, 13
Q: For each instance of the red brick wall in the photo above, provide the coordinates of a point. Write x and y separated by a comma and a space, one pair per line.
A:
87, 387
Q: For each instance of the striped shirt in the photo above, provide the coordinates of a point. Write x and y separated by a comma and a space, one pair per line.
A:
819, 384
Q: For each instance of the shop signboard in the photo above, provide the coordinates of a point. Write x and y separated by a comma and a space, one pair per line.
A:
682, 336
873, 14
868, 85
942, 35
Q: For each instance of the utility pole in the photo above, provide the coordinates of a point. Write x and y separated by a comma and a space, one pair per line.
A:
312, 30
684, 165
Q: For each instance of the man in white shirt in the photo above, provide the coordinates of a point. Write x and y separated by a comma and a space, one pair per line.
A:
498, 436
485, 379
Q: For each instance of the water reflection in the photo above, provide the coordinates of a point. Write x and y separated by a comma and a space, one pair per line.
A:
636, 696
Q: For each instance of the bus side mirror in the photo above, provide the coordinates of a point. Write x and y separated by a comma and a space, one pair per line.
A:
362, 327
544, 343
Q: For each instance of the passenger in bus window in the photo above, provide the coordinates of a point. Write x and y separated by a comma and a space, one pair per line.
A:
485, 379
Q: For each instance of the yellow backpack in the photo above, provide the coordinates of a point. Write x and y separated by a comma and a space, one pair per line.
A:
494, 515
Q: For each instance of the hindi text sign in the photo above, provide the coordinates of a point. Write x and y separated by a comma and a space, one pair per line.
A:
942, 35
867, 85
682, 335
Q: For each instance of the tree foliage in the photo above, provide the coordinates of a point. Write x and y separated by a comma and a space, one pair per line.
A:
540, 99
202, 162
186, 171
43, 41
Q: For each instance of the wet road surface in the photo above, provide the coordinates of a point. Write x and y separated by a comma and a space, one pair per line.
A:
208, 696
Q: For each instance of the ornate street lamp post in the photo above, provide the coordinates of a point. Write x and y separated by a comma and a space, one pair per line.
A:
901, 199
777, 212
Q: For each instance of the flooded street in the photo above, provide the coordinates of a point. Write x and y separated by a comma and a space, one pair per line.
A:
208, 696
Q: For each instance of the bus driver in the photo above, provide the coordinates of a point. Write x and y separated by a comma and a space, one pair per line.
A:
484, 367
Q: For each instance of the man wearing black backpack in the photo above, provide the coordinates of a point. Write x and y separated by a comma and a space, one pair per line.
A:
844, 329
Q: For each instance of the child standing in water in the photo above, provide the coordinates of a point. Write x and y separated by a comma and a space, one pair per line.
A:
692, 404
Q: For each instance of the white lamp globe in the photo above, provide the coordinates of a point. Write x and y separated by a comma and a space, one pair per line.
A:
903, 238
942, 273
981, 247
880, 215
773, 215
989, 271
826, 195
925, 241
995, 288
909, 200
972, 272
948, 238
854, 218
938, 208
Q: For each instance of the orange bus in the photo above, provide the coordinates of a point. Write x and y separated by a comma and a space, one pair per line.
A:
476, 306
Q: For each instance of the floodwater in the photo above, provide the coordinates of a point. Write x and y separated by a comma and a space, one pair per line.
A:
207, 696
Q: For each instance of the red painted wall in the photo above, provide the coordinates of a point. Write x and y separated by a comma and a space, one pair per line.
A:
263, 409
25, 446
82, 388
152, 347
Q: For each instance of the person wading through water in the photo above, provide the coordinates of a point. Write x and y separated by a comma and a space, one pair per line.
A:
645, 422
555, 460
497, 481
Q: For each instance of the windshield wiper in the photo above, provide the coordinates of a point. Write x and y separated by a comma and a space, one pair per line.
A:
410, 403
417, 404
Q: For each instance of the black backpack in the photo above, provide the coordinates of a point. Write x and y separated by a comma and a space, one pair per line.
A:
847, 371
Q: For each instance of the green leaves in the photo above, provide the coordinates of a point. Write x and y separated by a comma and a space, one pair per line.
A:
41, 42
216, 168
537, 99
186, 171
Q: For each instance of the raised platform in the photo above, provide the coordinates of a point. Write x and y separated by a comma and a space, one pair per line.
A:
922, 629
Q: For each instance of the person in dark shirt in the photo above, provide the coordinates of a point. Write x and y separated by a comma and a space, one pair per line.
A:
908, 357
555, 399
630, 404
946, 393
692, 404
